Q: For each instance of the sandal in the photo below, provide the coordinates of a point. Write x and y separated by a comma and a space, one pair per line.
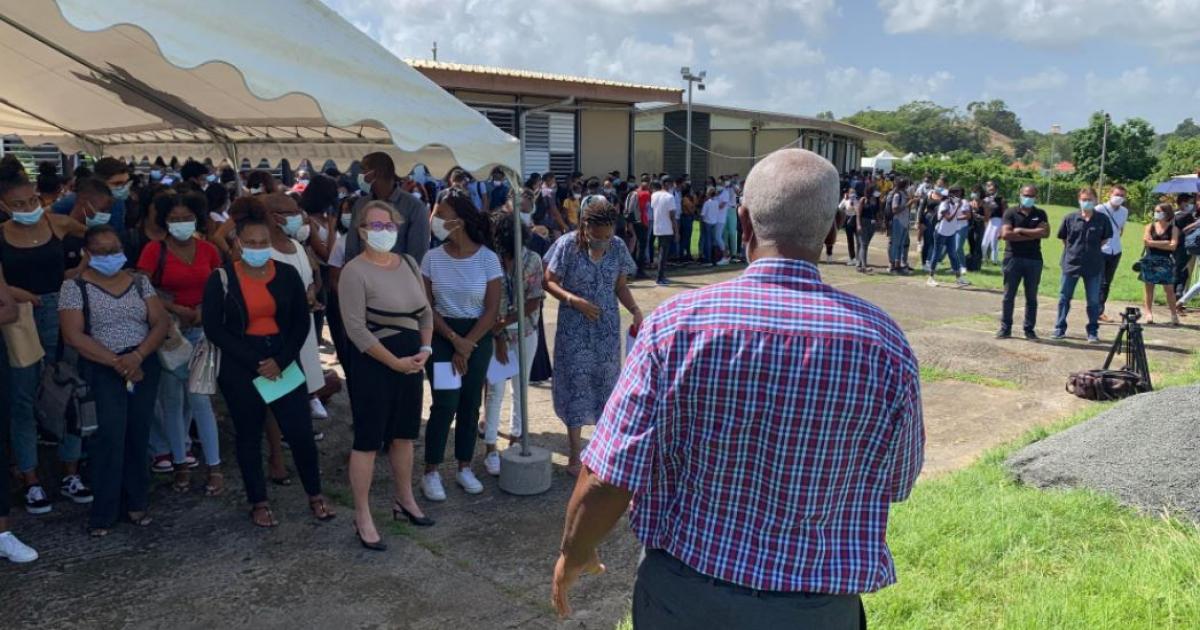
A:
216, 484
266, 511
98, 532
140, 519
281, 481
183, 480
320, 509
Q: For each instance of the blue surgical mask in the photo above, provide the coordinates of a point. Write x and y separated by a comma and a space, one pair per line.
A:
182, 230
155, 174
212, 179
292, 224
1027, 202
100, 218
29, 218
346, 216
109, 264
256, 257
363, 185
1087, 205
121, 193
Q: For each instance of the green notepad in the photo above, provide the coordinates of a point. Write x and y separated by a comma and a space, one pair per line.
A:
272, 390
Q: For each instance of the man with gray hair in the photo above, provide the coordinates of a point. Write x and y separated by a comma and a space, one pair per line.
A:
761, 428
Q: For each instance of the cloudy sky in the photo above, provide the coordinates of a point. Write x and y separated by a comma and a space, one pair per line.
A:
1053, 61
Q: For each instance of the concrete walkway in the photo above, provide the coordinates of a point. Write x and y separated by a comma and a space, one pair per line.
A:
487, 563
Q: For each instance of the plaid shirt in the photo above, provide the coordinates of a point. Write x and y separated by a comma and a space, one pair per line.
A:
765, 425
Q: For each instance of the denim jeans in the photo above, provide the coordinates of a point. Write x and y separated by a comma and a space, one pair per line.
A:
23, 384
1018, 271
120, 477
1091, 287
177, 410
685, 235
716, 240
928, 240
898, 247
960, 245
866, 232
943, 246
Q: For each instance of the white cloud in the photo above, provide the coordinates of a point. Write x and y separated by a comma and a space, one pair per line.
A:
1164, 25
1131, 86
1044, 81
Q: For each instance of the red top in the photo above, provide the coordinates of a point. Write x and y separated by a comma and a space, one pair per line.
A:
260, 306
644, 205
183, 281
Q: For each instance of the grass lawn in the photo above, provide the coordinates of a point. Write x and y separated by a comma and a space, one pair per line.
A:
976, 549
1126, 286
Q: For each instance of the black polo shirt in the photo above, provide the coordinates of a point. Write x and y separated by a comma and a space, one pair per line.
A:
1035, 219
1081, 243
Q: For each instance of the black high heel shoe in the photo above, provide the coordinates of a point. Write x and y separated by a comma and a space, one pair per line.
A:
419, 521
378, 545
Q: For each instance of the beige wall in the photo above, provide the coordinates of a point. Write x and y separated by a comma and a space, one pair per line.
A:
647, 152
603, 142
774, 139
483, 97
733, 143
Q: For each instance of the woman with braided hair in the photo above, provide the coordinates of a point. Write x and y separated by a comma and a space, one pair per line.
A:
586, 271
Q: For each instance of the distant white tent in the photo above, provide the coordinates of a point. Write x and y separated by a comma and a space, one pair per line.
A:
881, 162
909, 158
227, 79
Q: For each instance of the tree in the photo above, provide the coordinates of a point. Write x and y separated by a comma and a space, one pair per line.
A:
828, 115
996, 116
1186, 129
922, 127
1182, 156
1129, 150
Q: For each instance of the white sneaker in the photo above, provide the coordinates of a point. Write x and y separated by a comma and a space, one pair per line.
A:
931, 282
467, 480
15, 550
492, 463
431, 487
724, 262
962, 281
853, 262
318, 410
828, 258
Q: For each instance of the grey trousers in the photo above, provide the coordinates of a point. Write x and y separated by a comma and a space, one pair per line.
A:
669, 595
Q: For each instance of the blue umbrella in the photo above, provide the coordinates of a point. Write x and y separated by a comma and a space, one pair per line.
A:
1178, 185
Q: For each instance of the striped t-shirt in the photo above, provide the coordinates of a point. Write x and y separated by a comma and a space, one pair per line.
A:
460, 284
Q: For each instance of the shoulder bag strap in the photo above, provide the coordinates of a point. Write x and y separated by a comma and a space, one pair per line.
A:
156, 279
83, 296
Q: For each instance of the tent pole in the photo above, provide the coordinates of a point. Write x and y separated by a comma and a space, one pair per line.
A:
518, 257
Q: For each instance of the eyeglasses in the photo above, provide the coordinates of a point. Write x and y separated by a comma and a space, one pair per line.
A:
381, 226
25, 205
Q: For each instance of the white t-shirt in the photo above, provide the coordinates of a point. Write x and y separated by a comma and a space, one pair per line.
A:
337, 255
1118, 217
849, 207
951, 226
460, 284
662, 207
712, 213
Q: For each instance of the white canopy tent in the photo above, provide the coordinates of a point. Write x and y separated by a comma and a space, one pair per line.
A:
881, 162
227, 79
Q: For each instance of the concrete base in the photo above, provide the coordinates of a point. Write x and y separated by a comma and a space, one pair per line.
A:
525, 475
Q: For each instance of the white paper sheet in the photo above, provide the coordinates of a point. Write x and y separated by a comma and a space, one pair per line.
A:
445, 378
499, 372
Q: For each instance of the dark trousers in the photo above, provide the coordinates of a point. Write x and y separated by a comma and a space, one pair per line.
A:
975, 243
929, 240
685, 235
1111, 264
120, 477
5, 421
664, 254
337, 330
851, 228
1182, 279
1018, 271
639, 251
460, 406
670, 595
865, 234
249, 414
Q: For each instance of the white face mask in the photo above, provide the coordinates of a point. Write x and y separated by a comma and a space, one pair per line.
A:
1160, 216
303, 233
527, 218
1116, 201
381, 241
346, 216
440, 231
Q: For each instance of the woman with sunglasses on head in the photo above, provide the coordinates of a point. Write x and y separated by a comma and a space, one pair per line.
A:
115, 321
586, 271
31, 262
462, 284
256, 313
387, 316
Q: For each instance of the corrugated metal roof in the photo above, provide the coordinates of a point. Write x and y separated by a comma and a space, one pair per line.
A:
425, 64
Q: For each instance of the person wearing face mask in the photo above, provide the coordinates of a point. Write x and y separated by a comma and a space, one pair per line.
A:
1117, 214
31, 262
91, 206
1083, 234
586, 272
1024, 228
287, 249
378, 182
570, 206
388, 319
194, 174
951, 224
116, 322
256, 313
1161, 239
178, 267
1188, 222
463, 284
115, 174
337, 260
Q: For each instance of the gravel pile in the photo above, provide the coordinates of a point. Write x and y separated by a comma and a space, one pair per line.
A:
1145, 451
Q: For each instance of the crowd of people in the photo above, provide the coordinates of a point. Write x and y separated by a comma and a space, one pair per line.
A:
165, 288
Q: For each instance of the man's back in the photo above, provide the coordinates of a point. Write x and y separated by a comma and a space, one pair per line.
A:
765, 425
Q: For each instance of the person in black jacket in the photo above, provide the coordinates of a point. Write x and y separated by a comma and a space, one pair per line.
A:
256, 312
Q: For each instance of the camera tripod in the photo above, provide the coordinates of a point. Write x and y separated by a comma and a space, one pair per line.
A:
1130, 343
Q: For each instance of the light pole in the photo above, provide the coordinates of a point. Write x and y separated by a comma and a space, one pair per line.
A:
1055, 129
1104, 151
699, 80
